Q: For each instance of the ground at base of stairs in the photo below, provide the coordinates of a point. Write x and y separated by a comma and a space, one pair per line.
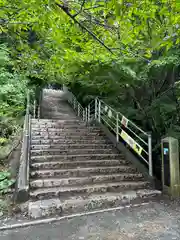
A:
157, 220
85, 203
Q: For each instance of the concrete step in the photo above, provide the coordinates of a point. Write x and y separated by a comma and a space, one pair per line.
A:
61, 126
88, 202
63, 132
75, 164
59, 142
64, 113
67, 133
39, 152
71, 146
64, 137
44, 193
81, 171
74, 128
95, 201
58, 182
55, 117
78, 157
58, 122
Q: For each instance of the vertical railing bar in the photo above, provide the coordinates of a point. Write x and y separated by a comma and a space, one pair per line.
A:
150, 155
34, 109
86, 115
89, 113
74, 104
78, 109
38, 112
96, 110
117, 127
83, 115
99, 111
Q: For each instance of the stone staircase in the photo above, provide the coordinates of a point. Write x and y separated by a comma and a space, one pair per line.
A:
75, 168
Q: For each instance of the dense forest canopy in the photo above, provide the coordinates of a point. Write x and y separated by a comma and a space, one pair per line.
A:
125, 51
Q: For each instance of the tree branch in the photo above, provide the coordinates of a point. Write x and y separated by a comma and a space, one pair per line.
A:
93, 7
82, 5
83, 27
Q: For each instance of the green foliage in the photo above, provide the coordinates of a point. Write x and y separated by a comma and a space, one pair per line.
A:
5, 181
127, 53
12, 97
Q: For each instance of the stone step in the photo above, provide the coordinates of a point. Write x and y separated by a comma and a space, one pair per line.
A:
78, 157
75, 164
73, 128
55, 131
61, 111
38, 152
69, 141
95, 201
66, 133
71, 146
58, 112
55, 117
88, 202
53, 121
44, 193
69, 137
58, 182
81, 171
81, 125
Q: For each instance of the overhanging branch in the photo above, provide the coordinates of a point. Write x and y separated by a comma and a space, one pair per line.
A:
66, 10
82, 5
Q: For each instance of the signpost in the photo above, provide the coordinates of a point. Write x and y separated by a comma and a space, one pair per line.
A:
170, 166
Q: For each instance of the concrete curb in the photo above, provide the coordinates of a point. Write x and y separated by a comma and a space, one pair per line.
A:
55, 219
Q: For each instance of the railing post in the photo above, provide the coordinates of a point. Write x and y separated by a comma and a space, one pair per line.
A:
34, 109
96, 109
74, 104
89, 113
99, 111
150, 155
78, 110
117, 127
38, 112
86, 114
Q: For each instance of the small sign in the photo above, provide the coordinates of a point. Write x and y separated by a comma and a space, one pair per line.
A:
124, 121
106, 108
109, 113
131, 142
166, 150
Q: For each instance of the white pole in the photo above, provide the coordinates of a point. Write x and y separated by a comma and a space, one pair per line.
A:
117, 127
150, 155
34, 112
96, 109
86, 115
78, 110
99, 111
89, 113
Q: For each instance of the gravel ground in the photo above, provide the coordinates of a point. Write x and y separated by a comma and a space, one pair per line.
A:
155, 221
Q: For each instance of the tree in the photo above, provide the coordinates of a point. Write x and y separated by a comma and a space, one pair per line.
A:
125, 52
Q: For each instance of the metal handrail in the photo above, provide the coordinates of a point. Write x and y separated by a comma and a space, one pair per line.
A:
23, 173
121, 126
22, 184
